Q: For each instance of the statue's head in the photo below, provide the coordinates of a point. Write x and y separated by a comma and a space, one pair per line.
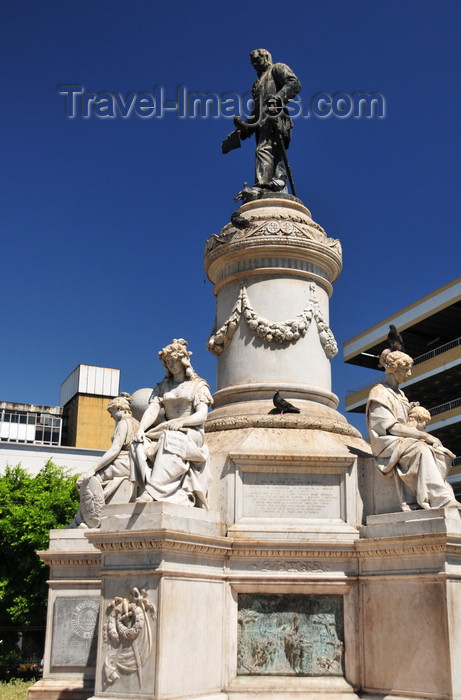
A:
418, 417
260, 59
395, 361
121, 403
177, 350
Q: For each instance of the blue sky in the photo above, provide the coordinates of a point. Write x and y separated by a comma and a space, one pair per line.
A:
104, 220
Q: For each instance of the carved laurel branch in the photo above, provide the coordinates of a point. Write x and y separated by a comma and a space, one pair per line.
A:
273, 332
127, 628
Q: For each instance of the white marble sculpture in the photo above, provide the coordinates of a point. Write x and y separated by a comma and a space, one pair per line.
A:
128, 636
100, 484
169, 458
274, 332
400, 447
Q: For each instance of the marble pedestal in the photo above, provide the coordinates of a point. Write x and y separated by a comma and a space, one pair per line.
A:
258, 605
410, 612
174, 556
72, 620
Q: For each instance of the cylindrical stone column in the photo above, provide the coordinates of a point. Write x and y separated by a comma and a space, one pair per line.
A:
272, 270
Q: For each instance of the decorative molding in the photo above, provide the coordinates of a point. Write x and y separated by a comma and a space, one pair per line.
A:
281, 421
67, 561
398, 550
274, 332
291, 566
284, 228
286, 554
131, 541
52, 558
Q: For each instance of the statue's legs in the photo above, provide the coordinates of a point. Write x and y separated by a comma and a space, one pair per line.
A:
268, 159
418, 470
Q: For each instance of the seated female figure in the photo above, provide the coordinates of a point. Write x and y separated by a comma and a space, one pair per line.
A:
169, 460
102, 483
399, 447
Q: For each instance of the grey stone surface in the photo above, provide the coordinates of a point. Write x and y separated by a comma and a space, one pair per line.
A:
75, 628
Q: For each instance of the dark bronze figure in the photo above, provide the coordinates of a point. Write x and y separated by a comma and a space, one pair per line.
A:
271, 124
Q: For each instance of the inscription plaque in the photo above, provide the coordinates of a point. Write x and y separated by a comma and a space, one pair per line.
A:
282, 495
290, 635
74, 631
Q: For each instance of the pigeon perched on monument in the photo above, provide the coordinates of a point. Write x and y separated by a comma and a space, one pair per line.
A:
282, 405
394, 339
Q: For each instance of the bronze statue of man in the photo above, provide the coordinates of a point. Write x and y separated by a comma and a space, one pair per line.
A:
269, 120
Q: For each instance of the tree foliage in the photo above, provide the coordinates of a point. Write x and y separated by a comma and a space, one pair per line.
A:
30, 506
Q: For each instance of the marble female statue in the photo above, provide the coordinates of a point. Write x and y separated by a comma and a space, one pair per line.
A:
416, 458
419, 417
102, 484
168, 453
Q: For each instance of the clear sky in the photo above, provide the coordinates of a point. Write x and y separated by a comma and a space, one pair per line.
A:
104, 220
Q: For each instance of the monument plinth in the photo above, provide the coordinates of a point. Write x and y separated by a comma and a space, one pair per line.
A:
273, 277
284, 483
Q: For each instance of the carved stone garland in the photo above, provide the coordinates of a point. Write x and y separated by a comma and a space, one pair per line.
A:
273, 332
128, 631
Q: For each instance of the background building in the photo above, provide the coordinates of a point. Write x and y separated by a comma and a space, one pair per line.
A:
74, 434
431, 330
84, 398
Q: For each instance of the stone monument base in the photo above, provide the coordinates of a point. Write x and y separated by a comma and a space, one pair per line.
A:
73, 610
189, 612
285, 589
54, 689
410, 592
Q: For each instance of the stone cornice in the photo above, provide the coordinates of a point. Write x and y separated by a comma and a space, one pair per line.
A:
290, 552
286, 420
274, 228
128, 540
62, 558
414, 545
327, 259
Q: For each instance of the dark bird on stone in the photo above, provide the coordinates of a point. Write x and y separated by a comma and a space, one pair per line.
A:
282, 405
395, 340
239, 221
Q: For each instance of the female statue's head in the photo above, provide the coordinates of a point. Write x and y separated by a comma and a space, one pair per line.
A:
396, 362
177, 350
121, 403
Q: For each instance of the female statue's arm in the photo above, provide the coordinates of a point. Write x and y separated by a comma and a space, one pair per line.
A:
402, 430
148, 418
112, 453
196, 418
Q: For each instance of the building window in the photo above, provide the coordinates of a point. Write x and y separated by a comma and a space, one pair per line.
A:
30, 428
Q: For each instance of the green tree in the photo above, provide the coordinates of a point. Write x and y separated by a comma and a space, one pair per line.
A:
30, 506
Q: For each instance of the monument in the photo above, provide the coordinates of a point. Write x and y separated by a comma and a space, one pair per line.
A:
262, 553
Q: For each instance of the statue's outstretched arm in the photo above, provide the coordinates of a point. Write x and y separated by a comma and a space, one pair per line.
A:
117, 443
148, 418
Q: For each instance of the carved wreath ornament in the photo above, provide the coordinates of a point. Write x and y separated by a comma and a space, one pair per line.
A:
128, 632
274, 332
